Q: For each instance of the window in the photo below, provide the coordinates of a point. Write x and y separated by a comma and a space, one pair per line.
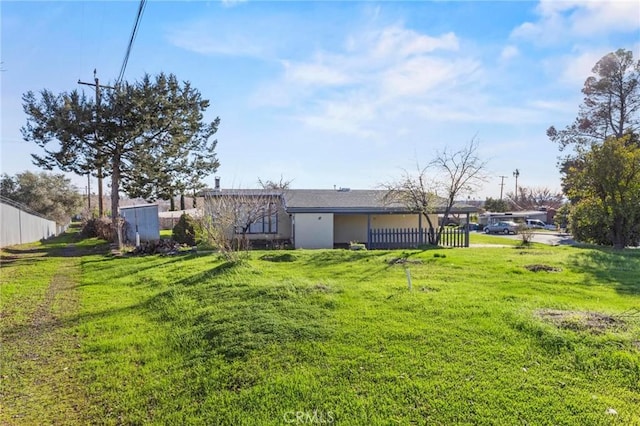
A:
267, 221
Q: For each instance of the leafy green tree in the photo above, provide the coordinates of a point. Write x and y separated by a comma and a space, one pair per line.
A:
149, 136
51, 195
495, 205
599, 172
605, 191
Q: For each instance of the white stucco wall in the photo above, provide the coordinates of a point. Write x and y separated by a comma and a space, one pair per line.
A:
313, 230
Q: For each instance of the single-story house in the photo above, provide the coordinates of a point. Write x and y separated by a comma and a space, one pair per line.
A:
324, 218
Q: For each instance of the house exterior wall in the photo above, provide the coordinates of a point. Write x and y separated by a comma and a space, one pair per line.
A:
350, 228
313, 230
353, 227
401, 221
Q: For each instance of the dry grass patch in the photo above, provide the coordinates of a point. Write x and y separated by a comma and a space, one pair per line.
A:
544, 268
593, 322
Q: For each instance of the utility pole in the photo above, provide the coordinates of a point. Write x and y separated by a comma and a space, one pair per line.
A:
98, 87
516, 174
502, 185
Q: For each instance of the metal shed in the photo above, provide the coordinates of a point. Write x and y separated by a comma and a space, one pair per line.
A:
141, 219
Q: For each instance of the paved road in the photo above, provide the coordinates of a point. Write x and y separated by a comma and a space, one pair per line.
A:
551, 238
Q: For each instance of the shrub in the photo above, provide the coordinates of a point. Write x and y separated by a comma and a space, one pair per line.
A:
185, 231
98, 227
526, 234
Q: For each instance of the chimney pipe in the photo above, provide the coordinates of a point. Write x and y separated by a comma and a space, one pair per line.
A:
217, 180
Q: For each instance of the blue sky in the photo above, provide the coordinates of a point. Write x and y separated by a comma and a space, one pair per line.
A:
333, 93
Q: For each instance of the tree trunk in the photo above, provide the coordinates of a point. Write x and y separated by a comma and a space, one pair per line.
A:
619, 234
172, 204
430, 235
182, 202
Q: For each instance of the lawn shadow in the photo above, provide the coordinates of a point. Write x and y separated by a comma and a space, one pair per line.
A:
605, 265
209, 273
55, 322
123, 266
322, 258
236, 319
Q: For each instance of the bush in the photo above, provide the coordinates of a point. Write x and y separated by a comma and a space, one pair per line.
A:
185, 231
526, 234
98, 227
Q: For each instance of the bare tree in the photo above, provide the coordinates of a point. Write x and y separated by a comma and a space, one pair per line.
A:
437, 186
533, 198
282, 184
228, 216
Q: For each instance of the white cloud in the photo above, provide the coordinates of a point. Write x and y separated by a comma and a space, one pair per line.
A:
509, 52
564, 20
576, 68
378, 73
315, 73
200, 39
397, 41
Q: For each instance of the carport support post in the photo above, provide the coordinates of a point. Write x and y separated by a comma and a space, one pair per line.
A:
466, 232
369, 231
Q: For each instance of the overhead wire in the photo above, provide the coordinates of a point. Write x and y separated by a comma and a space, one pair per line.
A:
134, 33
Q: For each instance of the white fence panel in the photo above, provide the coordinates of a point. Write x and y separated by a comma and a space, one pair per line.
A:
20, 227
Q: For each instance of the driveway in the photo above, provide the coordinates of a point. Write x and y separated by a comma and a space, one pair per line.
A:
550, 238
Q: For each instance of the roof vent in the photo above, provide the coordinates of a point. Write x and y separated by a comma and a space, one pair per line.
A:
344, 189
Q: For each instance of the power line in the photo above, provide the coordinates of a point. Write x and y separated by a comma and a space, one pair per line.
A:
134, 33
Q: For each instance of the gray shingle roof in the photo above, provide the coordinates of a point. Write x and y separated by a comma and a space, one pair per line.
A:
334, 201
337, 199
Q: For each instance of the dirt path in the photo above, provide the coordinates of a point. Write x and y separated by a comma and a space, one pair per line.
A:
40, 354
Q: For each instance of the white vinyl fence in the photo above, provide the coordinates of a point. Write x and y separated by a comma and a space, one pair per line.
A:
20, 227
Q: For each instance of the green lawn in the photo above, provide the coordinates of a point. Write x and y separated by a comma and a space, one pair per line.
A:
336, 336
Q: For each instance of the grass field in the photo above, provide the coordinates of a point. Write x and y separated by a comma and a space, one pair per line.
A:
291, 337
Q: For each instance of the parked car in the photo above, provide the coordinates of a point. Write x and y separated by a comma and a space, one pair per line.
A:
471, 225
538, 224
535, 224
503, 227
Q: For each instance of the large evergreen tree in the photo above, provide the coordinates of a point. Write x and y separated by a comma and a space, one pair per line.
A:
600, 169
149, 136
611, 104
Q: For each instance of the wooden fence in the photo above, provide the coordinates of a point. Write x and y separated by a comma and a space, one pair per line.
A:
397, 238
